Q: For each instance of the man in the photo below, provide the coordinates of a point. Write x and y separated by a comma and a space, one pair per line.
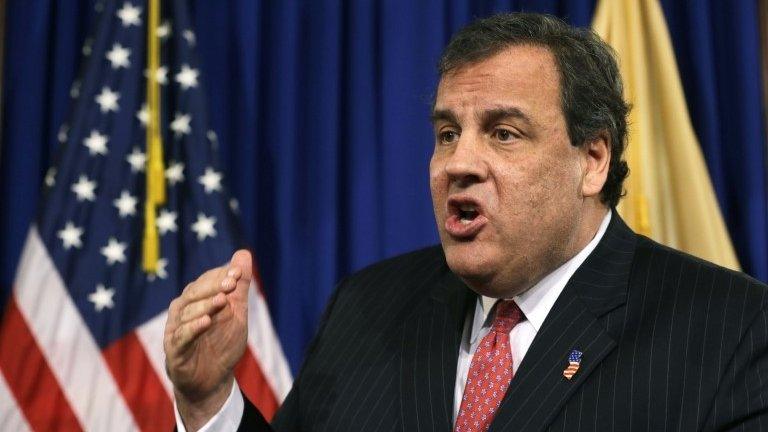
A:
597, 328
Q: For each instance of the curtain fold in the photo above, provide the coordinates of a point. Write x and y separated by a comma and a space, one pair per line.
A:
321, 111
670, 197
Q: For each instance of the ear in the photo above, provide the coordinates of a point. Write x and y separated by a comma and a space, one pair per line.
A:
596, 158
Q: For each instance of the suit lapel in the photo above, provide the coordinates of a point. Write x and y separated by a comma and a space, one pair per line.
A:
539, 389
430, 346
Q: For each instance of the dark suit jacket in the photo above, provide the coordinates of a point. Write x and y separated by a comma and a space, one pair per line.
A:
669, 342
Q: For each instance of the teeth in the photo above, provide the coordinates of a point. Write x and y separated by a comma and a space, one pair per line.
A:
467, 207
464, 221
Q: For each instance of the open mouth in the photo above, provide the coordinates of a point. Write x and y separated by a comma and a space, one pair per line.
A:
465, 218
467, 213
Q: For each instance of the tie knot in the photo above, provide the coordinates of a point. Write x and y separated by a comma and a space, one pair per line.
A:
508, 314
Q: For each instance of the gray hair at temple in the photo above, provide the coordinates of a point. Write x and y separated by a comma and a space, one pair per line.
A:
590, 82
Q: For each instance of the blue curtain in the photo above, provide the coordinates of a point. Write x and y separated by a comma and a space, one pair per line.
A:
717, 45
321, 108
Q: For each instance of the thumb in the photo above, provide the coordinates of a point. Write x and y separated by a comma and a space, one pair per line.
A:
243, 260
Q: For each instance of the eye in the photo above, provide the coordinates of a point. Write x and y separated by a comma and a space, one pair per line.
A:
505, 135
448, 136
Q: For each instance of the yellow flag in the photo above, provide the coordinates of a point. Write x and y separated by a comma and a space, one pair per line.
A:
670, 197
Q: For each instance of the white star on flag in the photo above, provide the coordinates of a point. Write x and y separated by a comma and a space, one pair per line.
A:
164, 30
161, 272
189, 36
84, 189
63, 133
180, 124
234, 205
143, 115
161, 75
50, 177
137, 159
74, 91
203, 227
87, 47
129, 15
114, 251
126, 204
96, 143
102, 298
213, 138
174, 173
107, 100
187, 78
118, 56
211, 180
166, 221
70, 236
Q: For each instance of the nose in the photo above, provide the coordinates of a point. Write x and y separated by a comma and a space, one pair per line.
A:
466, 165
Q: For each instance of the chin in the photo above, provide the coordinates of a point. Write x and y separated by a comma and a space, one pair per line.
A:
469, 263
483, 270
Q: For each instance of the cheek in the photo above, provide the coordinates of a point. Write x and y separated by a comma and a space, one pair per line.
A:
519, 185
432, 168
437, 186
533, 190
437, 175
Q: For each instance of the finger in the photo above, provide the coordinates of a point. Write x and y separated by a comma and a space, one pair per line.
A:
242, 261
207, 306
211, 283
188, 332
174, 309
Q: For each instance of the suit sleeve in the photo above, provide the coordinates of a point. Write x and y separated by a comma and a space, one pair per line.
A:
741, 402
252, 419
288, 417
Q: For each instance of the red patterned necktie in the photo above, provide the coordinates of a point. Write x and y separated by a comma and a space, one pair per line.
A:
489, 373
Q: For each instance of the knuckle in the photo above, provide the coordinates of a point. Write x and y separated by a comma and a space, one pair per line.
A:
185, 333
175, 337
174, 306
211, 274
188, 289
186, 312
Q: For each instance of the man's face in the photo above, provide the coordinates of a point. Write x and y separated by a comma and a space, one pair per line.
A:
506, 182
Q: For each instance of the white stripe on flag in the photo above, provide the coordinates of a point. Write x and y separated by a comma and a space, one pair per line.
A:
11, 417
265, 345
261, 339
150, 335
66, 342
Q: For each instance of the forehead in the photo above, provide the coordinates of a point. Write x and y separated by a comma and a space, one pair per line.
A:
521, 75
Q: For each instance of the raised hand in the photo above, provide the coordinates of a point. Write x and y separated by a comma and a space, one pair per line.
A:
205, 336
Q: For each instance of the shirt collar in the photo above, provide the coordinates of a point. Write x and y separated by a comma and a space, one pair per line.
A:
536, 302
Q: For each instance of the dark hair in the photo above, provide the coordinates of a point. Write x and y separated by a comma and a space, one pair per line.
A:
590, 82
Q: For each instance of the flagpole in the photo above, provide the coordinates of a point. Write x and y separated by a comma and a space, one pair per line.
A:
155, 187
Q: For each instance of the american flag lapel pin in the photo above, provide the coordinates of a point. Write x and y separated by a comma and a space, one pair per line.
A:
574, 361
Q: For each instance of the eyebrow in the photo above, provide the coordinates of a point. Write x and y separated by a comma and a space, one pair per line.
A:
486, 117
496, 114
446, 115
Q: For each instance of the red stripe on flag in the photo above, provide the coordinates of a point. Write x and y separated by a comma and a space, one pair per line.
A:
30, 378
255, 386
141, 387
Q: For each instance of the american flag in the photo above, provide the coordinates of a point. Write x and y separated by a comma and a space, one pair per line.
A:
81, 338
574, 362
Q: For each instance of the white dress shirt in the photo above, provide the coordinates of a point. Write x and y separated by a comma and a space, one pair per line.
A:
534, 303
